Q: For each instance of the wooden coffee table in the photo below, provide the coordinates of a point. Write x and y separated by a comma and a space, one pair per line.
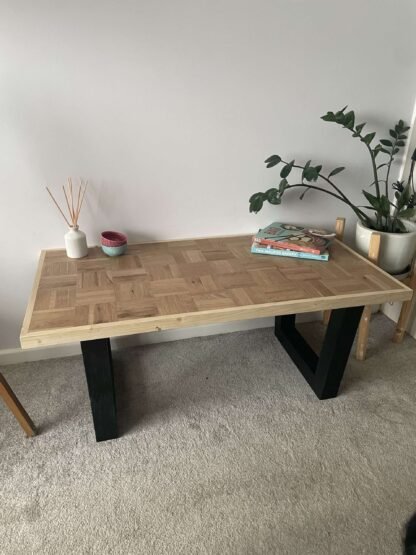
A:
175, 284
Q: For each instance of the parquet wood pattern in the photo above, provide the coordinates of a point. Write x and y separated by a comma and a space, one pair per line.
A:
173, 284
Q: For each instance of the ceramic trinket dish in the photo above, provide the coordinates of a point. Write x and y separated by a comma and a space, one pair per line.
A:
113, 243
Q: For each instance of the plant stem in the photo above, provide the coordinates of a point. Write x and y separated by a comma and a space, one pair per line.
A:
387, 175
359, 213
389, 163
325, 179
389, 221
374, 165
373, 161
306, 186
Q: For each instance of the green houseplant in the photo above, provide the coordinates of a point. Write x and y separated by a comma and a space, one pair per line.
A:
389, 206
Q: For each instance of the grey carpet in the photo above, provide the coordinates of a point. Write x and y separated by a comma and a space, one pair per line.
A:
225, 450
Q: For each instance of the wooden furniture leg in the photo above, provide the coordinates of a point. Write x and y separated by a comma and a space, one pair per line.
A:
16, 408
363, 329
339, 234
340, 228
406, 310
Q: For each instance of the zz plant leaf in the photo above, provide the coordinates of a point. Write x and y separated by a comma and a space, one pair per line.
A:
368, 138
286, 169
336, 171
272, 161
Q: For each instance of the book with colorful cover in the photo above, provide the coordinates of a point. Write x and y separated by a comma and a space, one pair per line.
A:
269, 249
294, 237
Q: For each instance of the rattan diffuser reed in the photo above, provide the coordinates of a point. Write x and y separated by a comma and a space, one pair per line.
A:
74, 200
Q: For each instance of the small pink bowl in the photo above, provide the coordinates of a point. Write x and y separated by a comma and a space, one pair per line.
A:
113, 239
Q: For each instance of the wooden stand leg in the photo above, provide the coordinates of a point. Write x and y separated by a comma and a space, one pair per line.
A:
363, 331
403, 321
364, 327
326, 316
406, 311
16, 408
339, 234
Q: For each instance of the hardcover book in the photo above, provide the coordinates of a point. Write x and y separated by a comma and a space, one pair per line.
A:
259, 249
294, 237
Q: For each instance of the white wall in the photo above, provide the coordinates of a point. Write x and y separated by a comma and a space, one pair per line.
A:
169, 109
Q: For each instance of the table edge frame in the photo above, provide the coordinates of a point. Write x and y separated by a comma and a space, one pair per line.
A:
32, 298
175, 321
59, 336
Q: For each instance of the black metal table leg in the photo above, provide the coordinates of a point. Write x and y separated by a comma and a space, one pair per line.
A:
323, 373
99, 371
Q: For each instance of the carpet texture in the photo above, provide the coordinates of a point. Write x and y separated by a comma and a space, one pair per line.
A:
225, 449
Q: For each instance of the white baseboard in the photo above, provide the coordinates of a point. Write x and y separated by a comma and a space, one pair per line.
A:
17, 356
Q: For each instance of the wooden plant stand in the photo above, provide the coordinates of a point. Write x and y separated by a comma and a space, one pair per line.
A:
407, 307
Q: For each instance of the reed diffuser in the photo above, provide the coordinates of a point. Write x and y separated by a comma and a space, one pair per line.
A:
75, 239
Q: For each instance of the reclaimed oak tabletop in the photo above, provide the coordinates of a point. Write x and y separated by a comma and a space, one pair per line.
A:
172, 284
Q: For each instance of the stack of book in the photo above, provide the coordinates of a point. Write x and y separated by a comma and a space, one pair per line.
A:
292, 240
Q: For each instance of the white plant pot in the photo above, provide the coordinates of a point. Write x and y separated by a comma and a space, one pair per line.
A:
76, 243
396, 249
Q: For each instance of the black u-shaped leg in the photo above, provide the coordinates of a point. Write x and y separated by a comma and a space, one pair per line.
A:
99, 372
323, 373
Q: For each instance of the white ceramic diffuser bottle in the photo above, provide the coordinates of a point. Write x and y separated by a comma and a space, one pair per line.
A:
76, 243
75, 240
